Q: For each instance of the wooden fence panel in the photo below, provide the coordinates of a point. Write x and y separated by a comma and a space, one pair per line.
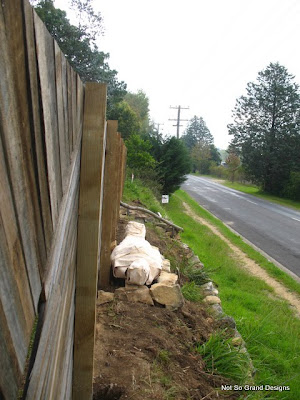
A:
89, 222
15, 293
49, 366
17, 155
40, 150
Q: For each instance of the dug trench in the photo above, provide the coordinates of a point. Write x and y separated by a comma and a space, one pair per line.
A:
149, 352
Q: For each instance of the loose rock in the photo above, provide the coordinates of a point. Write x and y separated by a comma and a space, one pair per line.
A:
141, 295
166, 265
104, 297
134, 294
167, 277
212, 300
167, 295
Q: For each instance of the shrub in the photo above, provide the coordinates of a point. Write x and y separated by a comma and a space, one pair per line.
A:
292, 187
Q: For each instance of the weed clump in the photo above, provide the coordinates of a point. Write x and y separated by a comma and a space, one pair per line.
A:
223, 358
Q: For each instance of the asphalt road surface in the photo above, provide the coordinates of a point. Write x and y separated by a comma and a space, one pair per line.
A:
272, 228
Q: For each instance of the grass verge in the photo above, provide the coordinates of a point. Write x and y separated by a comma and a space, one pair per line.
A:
267, 324
136, 190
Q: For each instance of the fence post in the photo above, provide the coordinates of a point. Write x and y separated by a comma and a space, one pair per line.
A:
89, 227
109, 201
116, 205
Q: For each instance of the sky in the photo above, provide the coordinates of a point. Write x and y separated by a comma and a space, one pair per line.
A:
197, 53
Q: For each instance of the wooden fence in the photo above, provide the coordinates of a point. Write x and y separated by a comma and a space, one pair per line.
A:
56, 151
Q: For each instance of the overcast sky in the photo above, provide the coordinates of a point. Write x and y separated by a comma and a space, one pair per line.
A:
198, 53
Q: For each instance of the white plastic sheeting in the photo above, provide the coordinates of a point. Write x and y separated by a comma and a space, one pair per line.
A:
134, 258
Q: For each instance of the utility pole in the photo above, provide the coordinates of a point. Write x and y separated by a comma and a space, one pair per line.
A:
158, 125
178, 108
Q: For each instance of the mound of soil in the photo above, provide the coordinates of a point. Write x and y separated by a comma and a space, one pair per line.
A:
145, 352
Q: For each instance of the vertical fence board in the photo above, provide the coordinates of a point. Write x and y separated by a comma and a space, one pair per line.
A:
41, 166
110, 178
17, 162
58, 293
79, 101
65, 106
63, 152
46, 67
88, 238
13, 269
15, 28
74, 106
70, 107
10, 373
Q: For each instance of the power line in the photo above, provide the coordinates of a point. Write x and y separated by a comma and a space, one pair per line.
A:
178, 108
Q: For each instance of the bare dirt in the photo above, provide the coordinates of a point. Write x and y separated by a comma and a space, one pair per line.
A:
148, 352
251, 266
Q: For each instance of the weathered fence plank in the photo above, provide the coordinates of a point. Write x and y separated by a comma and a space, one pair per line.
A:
59, 281
14, 26
41, 165
88, 256
46, 67
109, 194
18, 163
63, 144
70, 107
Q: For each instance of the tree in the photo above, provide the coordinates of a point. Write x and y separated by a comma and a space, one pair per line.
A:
128, 121
266, 128
174, 164
139, 102
139, 158
233, 163
196, 132
201, 157
215, 154
78, 45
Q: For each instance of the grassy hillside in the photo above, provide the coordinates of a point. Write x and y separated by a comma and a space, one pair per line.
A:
267, 323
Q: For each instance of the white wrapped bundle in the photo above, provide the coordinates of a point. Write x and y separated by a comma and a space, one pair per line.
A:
130, 253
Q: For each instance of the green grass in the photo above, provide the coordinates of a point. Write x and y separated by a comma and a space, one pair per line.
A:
136, 190
223, 358
267, 324
192, 292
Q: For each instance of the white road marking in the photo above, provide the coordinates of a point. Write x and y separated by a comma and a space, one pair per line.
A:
253, 202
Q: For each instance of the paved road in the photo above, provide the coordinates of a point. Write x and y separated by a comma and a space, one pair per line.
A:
272, 228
